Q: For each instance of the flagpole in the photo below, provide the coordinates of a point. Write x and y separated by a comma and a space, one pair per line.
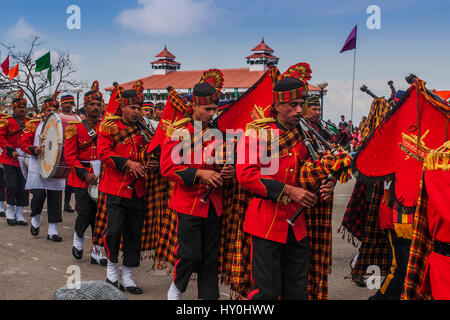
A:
353, 85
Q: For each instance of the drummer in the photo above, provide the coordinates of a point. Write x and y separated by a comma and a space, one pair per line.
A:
41, 188
67, 104
81, 155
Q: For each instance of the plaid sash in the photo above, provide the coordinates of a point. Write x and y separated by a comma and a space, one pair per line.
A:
123, 135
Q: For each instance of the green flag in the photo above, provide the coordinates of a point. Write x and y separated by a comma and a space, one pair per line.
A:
43, 62
49, 74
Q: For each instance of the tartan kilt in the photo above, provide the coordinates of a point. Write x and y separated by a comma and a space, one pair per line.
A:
374, 249
318, 222
421, 247
166, 242
235, 246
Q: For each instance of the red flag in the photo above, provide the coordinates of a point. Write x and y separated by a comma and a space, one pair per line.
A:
14, 72
239, 113
5, 66
175, 109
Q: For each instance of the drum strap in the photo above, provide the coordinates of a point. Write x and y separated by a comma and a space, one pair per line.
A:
92, 134
20, 123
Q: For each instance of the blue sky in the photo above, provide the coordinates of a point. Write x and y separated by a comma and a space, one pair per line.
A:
118, 39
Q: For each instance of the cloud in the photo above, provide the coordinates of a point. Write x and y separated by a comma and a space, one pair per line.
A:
21, 31
169, 17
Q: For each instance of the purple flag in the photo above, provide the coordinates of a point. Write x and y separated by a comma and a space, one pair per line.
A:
350, 43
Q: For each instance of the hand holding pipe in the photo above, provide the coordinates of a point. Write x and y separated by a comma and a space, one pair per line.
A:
291, 221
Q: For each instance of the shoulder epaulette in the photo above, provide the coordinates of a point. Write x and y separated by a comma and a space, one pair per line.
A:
169, 126
32, 124
71, 130
2, 114
4, 121
438, 159
8, 117
29, 118
255, 127
75, 122
109, 125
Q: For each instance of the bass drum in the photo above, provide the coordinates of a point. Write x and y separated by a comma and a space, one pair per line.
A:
51, 160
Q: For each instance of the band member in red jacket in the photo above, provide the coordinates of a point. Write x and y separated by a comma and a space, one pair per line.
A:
81, 155
120, 148
11, 130
198, 223
280, 252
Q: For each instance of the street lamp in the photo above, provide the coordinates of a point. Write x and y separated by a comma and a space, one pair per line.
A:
78, 90
322, 86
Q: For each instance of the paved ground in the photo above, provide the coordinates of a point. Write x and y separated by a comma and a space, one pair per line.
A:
33, 267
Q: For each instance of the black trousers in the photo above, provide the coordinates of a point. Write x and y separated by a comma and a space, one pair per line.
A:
86, 211
125, 219
392, 286
16, 195
280, 270
2, 186
198, 250
54, 204
67, 195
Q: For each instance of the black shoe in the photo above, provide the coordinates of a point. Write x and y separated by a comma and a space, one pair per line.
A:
114, 284
103, 262
68, 209
11, 222
55, 238
78, 254
133, 290
22, 223
2, 214
359, 281
34, 231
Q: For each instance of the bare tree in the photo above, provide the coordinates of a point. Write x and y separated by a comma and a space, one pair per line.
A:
35, 84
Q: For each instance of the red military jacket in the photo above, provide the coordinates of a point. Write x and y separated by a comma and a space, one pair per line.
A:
79, 148
118, 142
187, 191
27, 139
267, 214
10, 136
436, 276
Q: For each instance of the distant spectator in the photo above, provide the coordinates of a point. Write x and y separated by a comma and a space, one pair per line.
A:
343, 124
350, 126
363, 119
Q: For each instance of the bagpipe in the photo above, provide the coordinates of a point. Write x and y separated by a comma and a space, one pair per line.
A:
317, 145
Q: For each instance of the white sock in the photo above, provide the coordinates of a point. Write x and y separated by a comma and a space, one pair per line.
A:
112, 271
52, 229
36, 221
2, 206
174, 293
126, 277
19, 214
10, 212
78, 242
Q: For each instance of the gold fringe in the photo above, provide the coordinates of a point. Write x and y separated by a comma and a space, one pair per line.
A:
438, 159
108, 126
403, 230
71, 130
4, 122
